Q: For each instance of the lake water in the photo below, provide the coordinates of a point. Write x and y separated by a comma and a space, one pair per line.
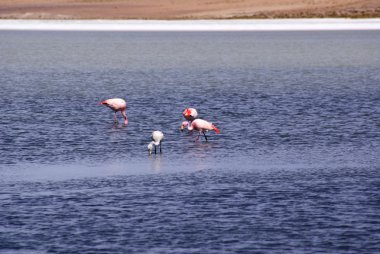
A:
294, 170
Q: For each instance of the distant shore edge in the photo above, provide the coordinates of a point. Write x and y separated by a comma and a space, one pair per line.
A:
192, 25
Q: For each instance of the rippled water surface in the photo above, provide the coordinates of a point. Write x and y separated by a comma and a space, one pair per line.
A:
294, 170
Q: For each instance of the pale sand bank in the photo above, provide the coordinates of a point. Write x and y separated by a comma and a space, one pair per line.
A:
193, 25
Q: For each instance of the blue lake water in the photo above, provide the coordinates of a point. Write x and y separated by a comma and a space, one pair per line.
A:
294, 170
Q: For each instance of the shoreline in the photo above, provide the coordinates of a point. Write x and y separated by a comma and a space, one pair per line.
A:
193, 25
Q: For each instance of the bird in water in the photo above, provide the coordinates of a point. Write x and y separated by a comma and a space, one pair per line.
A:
200, 125
190, 114
157, 137
117, 104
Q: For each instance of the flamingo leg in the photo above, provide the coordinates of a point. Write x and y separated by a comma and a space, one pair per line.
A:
125, 117
160, 148
205, 136
115, 117
155, 150
196, 139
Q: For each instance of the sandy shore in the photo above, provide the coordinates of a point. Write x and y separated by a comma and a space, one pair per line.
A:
187, 9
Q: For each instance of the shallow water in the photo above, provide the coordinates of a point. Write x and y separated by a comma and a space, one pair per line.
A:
294, 170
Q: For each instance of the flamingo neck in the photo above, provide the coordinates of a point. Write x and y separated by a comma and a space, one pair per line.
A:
190, 126
150, 147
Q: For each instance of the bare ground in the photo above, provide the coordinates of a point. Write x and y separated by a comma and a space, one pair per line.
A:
187, 9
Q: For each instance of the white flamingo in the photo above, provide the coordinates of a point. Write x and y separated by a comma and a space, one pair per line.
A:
157, 137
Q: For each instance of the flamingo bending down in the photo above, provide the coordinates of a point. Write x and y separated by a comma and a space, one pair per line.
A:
200, 125
117, 104
157, 137
190, 114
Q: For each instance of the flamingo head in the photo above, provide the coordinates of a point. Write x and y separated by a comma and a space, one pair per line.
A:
184, 124
150, 147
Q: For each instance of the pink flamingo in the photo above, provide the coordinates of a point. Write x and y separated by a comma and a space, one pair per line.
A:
117, 104
200, 125
190, 114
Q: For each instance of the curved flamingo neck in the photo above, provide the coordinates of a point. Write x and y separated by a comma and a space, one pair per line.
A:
190, 126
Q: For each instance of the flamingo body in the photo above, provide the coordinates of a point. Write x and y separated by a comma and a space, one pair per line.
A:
157, 137
117, 104
202, 126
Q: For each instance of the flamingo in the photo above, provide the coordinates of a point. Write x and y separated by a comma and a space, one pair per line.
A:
117, 104
157, 137
190, 114
200, 125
